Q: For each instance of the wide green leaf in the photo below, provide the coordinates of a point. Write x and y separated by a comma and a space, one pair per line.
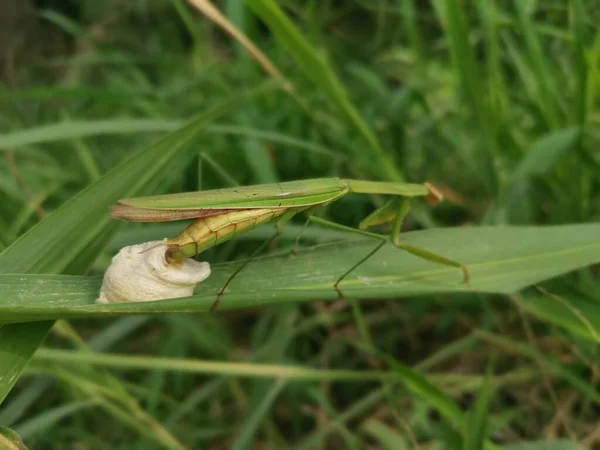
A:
501, 260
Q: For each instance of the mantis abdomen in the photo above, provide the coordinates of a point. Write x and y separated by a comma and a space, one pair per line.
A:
208, 232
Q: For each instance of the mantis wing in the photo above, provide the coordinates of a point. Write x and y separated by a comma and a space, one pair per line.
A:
291, 194
191, 205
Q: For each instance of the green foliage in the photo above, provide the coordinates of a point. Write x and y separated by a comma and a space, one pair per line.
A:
495, 102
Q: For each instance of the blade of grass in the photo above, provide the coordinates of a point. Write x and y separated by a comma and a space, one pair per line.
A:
584, 176
50, 418
546, 95
366, 403
246, 434
386, 437
12, 411
444, 404
257, 155
72, 129
319, 70
497, 90
582, 69
410, 21
477, 424
249, 370
581, 317
545, 153
565, 374
208, 9
501, 260
452, 16
344, 433
556, 444
19, 404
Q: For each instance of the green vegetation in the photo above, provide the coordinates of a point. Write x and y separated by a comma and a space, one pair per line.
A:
492, 101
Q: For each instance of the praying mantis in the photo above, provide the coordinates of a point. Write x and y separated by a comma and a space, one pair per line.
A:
221, 214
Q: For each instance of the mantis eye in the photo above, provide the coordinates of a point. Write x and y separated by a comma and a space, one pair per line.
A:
140, 273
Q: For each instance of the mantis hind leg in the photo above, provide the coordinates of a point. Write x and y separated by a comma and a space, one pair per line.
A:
284, 218
294, 251
259, 250
308, 212
337, 226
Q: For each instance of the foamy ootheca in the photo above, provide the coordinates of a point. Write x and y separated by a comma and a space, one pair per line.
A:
140, 273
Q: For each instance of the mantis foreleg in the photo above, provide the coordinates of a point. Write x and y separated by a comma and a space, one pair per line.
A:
337, 226
259, 250
382, 215
308, 213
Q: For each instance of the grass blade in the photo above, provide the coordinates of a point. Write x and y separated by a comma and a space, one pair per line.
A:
566, 374
246, 435
319, 70
545, 153
476, 430
386, 437
72, 129
546, 95
467, 71
577, 315
501, 260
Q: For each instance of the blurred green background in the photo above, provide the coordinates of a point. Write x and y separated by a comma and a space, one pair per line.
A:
493, 101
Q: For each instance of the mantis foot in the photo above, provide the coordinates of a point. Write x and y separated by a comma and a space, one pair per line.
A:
215, 305
466, 274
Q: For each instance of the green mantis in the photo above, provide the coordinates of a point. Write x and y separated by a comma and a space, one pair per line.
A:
221, 214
